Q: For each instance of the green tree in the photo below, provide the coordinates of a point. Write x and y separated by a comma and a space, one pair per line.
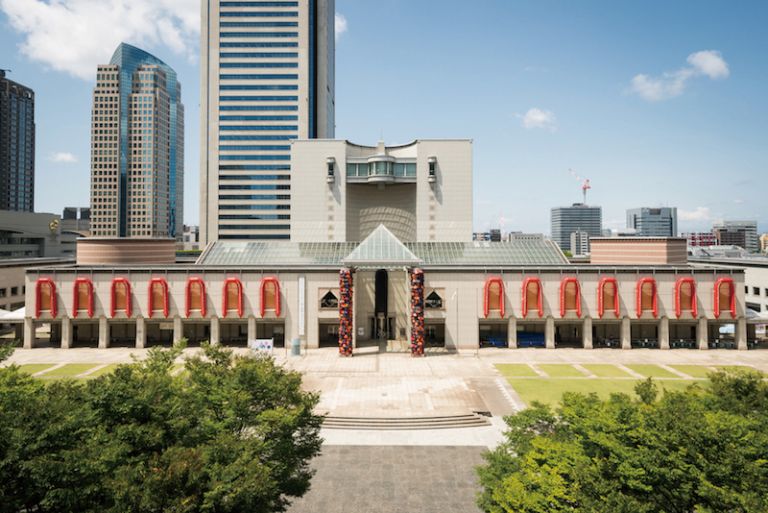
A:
701, 450
228, 434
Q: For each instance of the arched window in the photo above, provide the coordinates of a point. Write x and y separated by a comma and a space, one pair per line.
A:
647, 300
329, 300
195, 297
532, 296
433, 300
82, 300
570, 297
494, 297
121, 297
608, 297
45, 297
725, 297
232, 297
158, 296
270, 296
685, 297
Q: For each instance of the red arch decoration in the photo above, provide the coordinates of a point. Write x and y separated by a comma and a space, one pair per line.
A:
54, 304
128, 297
539, 301
264, 281
601, 297
563, 283
694, 303
224, 300
486, 296
203, 297
76, 297
732, 303
163, 284
639, 298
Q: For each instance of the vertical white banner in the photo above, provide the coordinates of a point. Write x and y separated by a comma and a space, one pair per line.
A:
302, 308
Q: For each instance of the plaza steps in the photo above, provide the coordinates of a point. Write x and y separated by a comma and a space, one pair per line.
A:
406, 423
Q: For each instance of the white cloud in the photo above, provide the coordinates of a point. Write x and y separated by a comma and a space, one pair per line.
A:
340, 25
539, 118
707, 63
697, 214
74, 36
63, 157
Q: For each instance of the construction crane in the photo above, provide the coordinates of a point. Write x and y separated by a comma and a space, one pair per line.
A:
585, 185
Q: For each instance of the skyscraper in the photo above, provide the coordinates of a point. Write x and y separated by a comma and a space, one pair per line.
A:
578, 217
137, 148
653, 222
17, 146
267, 78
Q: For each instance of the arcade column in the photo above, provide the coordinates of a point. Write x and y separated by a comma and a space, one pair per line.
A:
417, 312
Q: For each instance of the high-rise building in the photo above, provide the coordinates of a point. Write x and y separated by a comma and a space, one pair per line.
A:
579, 243
267, 78
653, 222
764, 243
577, 217
17, 146
137, 148
737, 233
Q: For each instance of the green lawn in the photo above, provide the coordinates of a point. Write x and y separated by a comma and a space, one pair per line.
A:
516, 370
100, 372
652, 371
31, 368
606, 370
550, 391
694, 371
69, 370
559, 370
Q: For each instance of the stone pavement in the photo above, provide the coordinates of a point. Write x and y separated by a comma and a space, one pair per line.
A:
354, 479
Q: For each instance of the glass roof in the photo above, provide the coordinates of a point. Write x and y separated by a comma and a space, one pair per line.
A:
392, 252
381, 247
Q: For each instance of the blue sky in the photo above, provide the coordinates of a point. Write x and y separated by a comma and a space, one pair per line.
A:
657, 103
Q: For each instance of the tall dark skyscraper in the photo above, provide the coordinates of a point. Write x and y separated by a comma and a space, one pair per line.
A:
267, 78
17, 146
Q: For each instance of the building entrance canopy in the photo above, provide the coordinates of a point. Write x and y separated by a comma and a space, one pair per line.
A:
381, 249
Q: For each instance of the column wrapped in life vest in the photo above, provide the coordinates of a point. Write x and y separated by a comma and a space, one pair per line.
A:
417, 312
346, 312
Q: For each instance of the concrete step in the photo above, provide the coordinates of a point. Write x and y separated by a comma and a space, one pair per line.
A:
405, 423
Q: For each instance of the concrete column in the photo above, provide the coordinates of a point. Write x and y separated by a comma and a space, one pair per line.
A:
512, 333
178, 329
664, 333
741, 334
29, 333
141, 333
215, 338
702, 334
549, 333
103, 333
626, 333
353, 310
252, 328
586, 333
66, 332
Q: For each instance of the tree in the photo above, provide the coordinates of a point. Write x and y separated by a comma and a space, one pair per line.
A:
699, 450
228, 434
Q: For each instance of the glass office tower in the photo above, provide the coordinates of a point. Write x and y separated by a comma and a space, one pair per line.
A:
137, 148
17, 146
267, 78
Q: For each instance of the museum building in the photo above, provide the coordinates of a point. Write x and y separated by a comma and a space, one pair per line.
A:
381, 254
